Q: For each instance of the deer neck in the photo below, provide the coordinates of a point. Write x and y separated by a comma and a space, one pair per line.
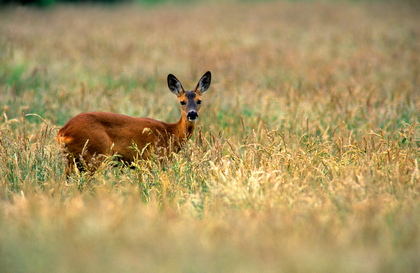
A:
185, 129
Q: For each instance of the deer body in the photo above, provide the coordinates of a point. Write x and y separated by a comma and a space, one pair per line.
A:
88, 138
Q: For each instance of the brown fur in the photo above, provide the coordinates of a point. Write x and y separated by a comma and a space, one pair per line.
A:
88, 138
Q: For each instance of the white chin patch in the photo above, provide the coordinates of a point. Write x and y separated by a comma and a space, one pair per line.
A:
190, 119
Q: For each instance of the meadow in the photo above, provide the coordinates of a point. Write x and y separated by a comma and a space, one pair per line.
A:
306, 157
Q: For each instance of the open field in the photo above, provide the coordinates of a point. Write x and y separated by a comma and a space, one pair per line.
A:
306, 158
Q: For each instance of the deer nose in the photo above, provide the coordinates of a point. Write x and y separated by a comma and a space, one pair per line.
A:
192, 115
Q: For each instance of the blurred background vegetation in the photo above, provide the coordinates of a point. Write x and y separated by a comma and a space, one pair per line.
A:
47, 3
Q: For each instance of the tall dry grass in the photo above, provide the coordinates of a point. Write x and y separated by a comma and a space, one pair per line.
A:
306, 158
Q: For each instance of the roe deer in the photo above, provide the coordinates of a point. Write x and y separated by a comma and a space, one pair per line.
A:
88, 138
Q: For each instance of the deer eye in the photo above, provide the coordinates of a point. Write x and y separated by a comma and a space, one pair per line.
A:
199, 102
183, 102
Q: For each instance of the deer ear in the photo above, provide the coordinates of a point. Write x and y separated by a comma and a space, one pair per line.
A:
174, 85
204, 82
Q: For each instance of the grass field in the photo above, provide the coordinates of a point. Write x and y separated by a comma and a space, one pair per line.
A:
306, 158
